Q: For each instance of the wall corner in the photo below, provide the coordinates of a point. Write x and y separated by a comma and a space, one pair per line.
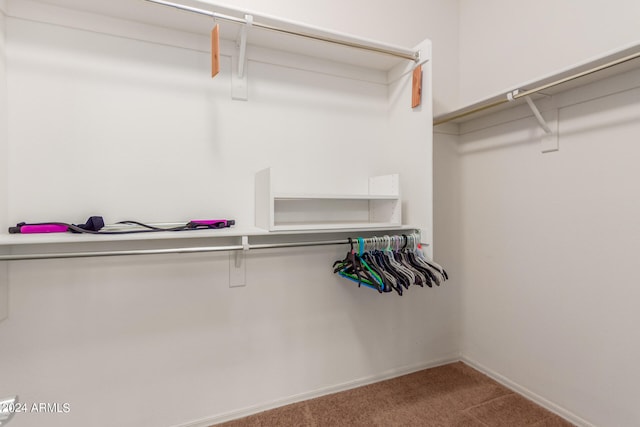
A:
4, 143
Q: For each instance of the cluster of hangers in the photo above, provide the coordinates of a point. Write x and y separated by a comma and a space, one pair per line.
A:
389, 263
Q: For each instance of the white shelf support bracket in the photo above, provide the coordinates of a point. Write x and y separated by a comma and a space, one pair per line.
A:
549, 141
239, 89
238, 266
543, 124
243, 45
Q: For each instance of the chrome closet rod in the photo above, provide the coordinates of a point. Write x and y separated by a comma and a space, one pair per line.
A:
62, 255
400, 54
522, 94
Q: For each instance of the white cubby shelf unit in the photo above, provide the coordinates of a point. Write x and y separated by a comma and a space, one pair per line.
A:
279, 211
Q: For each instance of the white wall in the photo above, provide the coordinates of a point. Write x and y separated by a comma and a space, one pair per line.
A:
547, 241
164, 340
145, 119
3, 115
4, 286
548, 248
505, 43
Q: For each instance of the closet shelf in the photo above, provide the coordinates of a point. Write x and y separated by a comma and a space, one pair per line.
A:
302, 196
291, 36
37, 247
310, 226
612, 63
18, 240
269, 32
56, 238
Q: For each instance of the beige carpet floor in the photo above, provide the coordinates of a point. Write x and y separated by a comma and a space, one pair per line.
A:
453, 395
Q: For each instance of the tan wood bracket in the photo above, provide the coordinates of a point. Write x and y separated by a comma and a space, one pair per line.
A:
416, 92
215, 51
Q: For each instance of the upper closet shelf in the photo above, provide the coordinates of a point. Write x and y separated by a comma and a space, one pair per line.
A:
610, 64
291, 36
180, 18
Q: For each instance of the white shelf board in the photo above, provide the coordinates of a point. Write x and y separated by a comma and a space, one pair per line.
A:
9, 240
143, 12
561, 74
54, 238
337, 226
303, 196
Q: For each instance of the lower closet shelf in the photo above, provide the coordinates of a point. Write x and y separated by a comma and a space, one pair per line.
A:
48, 246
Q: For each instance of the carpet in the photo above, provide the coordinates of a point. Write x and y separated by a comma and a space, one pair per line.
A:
453, 395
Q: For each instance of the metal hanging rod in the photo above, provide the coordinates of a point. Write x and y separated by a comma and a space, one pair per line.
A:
524, 93
190, 250
405, 54
62, 255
